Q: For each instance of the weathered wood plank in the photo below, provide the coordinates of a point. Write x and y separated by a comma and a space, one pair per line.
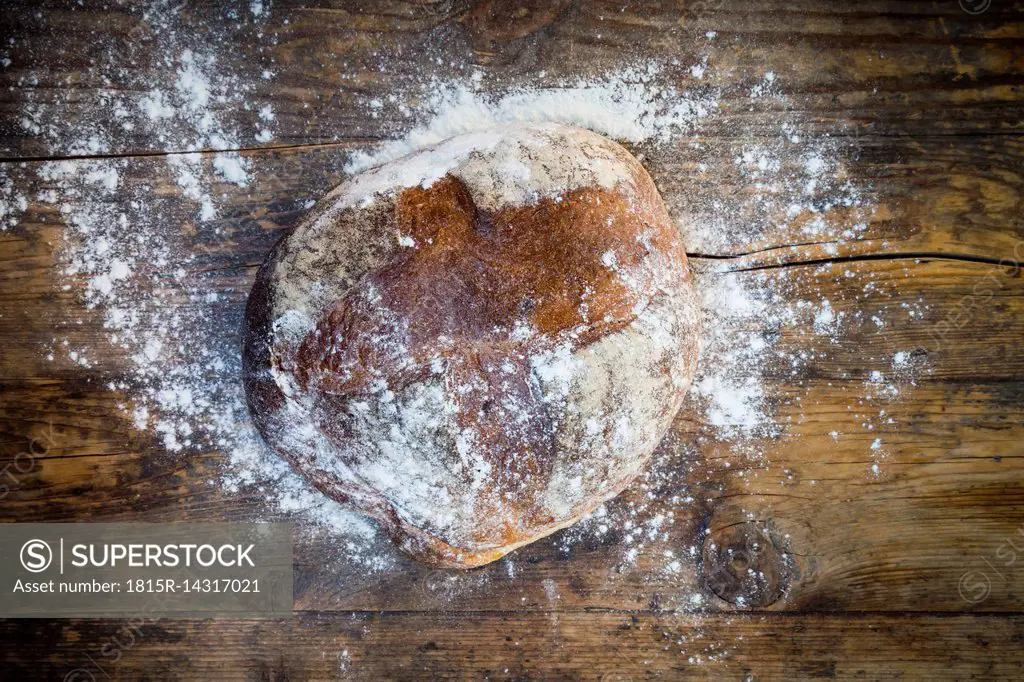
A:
561, 644
926, 196
880, 68
947, 497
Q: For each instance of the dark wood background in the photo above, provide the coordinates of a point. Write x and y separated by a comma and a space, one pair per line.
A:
933, 94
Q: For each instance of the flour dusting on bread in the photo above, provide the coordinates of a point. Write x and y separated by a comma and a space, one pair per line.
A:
481, 391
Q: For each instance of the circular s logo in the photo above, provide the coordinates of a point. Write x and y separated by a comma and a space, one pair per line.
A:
616, 676
36, 556
79, 675
975, 6
974, 587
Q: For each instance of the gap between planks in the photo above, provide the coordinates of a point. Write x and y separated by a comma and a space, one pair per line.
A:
360, 142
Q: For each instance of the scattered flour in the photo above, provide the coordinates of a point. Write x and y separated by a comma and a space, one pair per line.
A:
13, 203
629, 106
177, 333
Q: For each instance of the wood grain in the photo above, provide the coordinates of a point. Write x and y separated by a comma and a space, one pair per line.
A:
873, 575
891, 68
558, 645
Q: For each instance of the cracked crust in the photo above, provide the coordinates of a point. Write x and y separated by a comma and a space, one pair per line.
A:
482, 349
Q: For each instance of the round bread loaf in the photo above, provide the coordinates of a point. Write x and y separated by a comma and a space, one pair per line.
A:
478, 343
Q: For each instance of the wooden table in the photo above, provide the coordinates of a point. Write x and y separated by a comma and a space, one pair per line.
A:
909, 574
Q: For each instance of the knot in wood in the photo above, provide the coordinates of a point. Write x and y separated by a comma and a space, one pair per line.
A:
504, 20
743, 565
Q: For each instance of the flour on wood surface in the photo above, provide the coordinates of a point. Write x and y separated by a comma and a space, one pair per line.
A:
149, 283
631, 105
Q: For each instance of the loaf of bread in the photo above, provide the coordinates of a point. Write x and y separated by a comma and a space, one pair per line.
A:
476, 344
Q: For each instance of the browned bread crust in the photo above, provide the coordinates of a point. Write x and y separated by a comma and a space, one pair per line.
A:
472, 365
